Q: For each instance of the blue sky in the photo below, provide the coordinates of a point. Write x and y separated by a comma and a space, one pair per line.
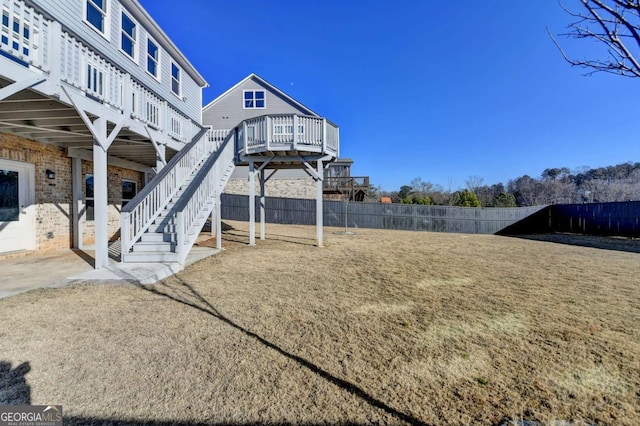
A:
440, 90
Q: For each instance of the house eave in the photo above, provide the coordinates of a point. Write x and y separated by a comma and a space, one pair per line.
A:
150, 24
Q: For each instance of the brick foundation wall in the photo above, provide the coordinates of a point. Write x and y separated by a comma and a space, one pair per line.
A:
114, 194
288, 188
53, 197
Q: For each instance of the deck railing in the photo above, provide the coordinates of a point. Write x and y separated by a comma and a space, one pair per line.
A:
289, 132
345, 183
206, 185
22, 33
33, 41
142, 210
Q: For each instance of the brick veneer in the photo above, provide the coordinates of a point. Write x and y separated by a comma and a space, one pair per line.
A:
288, 188
54, 197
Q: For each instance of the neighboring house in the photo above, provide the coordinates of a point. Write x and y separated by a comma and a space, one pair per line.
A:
93, 96
340, 185
254, 97
276, 136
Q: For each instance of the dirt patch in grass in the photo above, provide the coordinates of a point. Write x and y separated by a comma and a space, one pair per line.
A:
385, 327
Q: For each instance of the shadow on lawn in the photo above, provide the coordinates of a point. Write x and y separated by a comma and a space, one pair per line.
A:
628, 245
13, 384
242, 235
203, 305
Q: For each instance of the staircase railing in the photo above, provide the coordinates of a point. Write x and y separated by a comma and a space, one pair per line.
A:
206, 185
139, 213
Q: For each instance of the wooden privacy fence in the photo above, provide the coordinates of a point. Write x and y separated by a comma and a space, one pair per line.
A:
408, 217
619, 218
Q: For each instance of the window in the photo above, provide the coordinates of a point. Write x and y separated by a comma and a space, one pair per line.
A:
253, 99
88, 196
128, 36
129, 190
9, 196
153, 58
5, 27
175, 79
96, 14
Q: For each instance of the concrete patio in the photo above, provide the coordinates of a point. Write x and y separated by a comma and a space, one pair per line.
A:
59, 268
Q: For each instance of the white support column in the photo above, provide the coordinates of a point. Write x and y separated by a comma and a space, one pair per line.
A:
100, 194
78, 205
252, 204
214, 215
319, 221
262, 206
218, 211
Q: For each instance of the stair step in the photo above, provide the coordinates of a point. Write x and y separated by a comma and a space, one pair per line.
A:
144, 257
158, 237
163, 220
153, 247
168, 228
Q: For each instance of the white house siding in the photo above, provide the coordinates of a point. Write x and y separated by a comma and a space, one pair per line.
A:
70, 14
231, 106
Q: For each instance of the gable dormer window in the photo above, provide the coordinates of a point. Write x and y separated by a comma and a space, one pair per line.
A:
253, 99
128, 36
96, 14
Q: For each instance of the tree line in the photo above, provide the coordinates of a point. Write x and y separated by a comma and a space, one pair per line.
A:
554, 186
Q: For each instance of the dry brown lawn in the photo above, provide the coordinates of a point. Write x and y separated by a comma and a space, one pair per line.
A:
382, 327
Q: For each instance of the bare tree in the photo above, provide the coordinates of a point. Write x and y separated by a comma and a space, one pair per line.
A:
613, 23
474, 182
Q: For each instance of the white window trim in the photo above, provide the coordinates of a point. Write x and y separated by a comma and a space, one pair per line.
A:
107, 20
179, 94
136, 39
146, 57
254, 99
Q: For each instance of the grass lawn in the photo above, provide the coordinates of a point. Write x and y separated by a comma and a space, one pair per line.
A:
383, 327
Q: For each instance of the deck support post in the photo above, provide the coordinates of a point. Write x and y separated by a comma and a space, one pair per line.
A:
100, 196
218, 211
102, 140
252, 204
214, 223
319, 220
78, 206
262, 206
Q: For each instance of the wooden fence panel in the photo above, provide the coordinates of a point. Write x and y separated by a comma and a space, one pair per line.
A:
379, 216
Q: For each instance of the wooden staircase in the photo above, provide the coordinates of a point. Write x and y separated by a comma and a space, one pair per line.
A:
161, 223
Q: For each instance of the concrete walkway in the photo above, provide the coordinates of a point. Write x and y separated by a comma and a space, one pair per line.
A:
56, 269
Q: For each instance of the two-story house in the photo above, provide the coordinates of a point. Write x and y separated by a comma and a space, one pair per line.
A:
101, 137
94, 100
276, 137
253, 97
